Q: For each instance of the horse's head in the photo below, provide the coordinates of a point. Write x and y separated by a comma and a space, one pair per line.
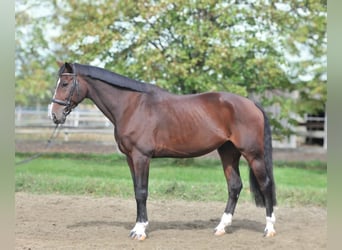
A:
68, 93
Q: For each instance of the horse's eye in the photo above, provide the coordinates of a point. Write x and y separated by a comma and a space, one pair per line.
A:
64, 84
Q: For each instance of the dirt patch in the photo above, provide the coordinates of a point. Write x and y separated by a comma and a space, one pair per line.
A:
81, 222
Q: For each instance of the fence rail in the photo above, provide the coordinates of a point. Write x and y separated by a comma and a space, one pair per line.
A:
80, 118
91, 120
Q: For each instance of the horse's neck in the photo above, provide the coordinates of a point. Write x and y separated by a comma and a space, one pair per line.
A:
110, 100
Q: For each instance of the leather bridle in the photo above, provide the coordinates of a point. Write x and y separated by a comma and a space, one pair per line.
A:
68, 103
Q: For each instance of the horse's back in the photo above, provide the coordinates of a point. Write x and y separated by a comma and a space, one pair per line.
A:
190, 125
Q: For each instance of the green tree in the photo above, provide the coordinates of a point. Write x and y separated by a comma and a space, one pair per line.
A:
261, 49
34, 58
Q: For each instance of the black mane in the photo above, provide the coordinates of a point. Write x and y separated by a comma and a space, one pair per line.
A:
112, 78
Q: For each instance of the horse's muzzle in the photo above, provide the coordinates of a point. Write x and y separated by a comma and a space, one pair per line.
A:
57, 120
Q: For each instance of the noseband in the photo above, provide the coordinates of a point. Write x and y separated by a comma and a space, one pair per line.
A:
67, 102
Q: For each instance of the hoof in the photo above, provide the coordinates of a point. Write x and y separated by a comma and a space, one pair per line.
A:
269, 233
138, 232
136, 236
226, 220
219, 232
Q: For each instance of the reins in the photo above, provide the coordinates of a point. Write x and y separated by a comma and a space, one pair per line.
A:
49, 143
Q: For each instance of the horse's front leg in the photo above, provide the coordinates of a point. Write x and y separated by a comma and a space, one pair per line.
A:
139, 166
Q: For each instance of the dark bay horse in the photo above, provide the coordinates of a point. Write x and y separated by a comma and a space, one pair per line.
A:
150, 122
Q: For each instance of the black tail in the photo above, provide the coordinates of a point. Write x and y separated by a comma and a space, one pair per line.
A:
254, 186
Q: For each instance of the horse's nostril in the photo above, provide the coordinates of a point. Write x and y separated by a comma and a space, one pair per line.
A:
54, 118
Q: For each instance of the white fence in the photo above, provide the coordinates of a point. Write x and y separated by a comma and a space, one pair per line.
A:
80, 118
91, 120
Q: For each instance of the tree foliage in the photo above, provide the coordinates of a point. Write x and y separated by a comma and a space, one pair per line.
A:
262, 49
33, 58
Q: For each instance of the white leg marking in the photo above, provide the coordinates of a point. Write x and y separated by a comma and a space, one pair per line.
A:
269, 230
138, 231
226, 220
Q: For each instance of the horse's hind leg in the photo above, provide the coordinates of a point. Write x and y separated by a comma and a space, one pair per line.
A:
230, 157
262, 187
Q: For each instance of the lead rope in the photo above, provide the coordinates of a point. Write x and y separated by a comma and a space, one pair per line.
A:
49, 143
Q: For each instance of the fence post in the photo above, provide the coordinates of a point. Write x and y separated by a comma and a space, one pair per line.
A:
18, 111
49, 110
325, 142
77, 118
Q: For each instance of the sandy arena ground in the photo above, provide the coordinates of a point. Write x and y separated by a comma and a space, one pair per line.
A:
81, 222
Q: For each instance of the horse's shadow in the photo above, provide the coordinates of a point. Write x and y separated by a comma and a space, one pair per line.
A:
237, 225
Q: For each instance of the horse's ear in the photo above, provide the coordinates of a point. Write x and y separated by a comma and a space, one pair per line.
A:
68, 67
